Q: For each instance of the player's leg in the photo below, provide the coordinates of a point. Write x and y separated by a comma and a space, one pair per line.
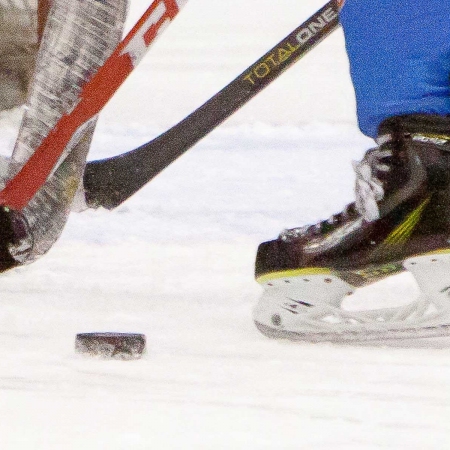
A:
400, 70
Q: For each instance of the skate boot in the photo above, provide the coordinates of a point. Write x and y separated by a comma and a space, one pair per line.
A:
400, 220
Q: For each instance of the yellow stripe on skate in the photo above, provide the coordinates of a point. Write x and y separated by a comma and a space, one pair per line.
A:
293, 273
439, 251
403, 232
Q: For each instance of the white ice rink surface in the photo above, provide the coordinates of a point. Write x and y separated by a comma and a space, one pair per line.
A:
176, 263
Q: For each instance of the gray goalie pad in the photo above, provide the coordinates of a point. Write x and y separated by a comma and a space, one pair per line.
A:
78, 37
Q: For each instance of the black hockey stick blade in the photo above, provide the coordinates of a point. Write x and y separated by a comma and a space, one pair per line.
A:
109, 182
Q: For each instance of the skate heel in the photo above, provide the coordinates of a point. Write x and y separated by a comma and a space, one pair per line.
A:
432, 274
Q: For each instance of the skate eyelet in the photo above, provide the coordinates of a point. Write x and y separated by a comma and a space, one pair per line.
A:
276, 320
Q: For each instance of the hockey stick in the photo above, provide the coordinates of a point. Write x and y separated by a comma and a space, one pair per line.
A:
109, 182
93, 97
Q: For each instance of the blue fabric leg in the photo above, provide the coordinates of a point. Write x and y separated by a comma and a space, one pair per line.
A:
399, 53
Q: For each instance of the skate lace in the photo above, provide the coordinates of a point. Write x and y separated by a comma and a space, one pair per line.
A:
323, 227
369, 190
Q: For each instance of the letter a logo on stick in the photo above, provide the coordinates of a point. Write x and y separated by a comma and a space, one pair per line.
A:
148, 30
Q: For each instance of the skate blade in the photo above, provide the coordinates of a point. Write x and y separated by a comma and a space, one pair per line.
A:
356, 335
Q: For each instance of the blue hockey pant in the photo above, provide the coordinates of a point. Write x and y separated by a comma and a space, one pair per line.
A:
399, 53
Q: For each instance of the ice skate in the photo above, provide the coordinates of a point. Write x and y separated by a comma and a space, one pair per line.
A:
400, 220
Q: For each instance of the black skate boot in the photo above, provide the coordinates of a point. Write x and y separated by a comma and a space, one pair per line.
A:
14, 238
400, 220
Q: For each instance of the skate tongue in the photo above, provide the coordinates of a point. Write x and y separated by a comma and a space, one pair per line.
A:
383, 139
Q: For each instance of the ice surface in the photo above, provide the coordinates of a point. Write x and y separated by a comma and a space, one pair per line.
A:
176, 263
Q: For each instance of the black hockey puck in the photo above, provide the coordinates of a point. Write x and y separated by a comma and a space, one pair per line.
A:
124, 346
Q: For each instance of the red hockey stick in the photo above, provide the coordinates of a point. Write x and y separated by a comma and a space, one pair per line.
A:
93, 97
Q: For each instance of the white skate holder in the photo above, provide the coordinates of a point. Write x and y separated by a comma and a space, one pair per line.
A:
308, 307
